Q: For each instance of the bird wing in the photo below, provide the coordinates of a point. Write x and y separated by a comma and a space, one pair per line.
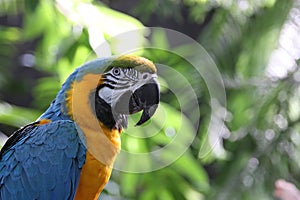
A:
42, 161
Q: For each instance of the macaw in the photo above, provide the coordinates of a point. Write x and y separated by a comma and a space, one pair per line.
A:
68, 153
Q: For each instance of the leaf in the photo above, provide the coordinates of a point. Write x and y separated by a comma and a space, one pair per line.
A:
121, 31
189, 167
165, 194
45, 92
36, 22
129, 183
148, 195
159, 39
3, 139
16, 116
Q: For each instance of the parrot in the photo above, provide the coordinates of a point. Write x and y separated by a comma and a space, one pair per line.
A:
69, 151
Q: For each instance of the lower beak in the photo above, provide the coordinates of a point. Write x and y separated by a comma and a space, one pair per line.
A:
145, 98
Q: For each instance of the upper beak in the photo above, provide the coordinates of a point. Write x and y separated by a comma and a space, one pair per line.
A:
145, 98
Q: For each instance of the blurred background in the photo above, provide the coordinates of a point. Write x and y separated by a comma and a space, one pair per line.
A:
255, 45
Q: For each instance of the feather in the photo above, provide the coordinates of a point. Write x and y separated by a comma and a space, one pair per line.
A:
42, 169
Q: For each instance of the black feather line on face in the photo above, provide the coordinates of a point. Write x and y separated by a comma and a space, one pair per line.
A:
105, 115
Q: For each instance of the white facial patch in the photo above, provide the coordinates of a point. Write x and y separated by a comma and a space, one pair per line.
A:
122, 80
106, 93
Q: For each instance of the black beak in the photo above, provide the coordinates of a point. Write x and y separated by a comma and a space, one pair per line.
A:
145, 98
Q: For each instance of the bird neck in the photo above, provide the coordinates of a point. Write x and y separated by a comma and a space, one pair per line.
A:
73, 103
103, 142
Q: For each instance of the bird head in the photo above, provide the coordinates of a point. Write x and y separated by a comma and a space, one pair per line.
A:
116, 87
129, 85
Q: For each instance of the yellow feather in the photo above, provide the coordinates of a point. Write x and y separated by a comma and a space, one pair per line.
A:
103, 144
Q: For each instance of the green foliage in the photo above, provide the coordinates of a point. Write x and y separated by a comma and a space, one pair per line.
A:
185, 170
16, 116
262, 112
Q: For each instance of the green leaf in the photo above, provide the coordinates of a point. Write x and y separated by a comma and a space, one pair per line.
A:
165, 194
189, 167
16, 116
10, 34
129, 183
37, 21
159, 39
148, 195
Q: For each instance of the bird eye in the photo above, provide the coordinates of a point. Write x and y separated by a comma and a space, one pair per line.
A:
116, 72
145, 76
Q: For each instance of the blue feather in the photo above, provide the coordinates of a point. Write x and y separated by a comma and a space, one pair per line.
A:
48, 171
43, 161
22, 154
